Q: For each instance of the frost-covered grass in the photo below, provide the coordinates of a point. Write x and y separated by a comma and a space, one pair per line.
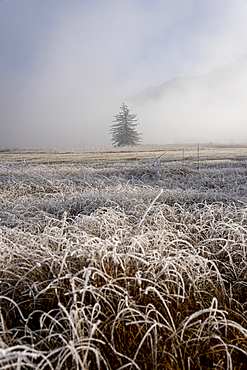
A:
136, 266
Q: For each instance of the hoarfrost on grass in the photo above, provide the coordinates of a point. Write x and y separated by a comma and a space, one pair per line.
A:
123, 267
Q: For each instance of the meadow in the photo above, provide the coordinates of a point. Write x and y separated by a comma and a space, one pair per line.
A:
133, 258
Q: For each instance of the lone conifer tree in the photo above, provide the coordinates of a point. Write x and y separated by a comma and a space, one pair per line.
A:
123, 131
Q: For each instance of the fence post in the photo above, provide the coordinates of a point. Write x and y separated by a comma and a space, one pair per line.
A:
198, 150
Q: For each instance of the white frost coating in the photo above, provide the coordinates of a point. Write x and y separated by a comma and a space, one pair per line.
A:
170, 231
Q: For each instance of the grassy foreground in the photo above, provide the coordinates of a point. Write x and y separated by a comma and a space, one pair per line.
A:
138, 266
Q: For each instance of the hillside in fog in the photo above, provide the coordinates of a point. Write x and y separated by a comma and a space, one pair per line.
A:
211, 107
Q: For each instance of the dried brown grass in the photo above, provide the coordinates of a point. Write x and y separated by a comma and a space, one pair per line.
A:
123, 268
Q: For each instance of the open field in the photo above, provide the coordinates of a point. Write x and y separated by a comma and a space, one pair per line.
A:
123, 260
174, 152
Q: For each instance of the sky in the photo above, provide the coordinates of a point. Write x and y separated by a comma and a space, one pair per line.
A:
66, 66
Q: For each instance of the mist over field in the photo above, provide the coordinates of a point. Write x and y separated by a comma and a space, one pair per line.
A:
132, 257
203, 108
66, 67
